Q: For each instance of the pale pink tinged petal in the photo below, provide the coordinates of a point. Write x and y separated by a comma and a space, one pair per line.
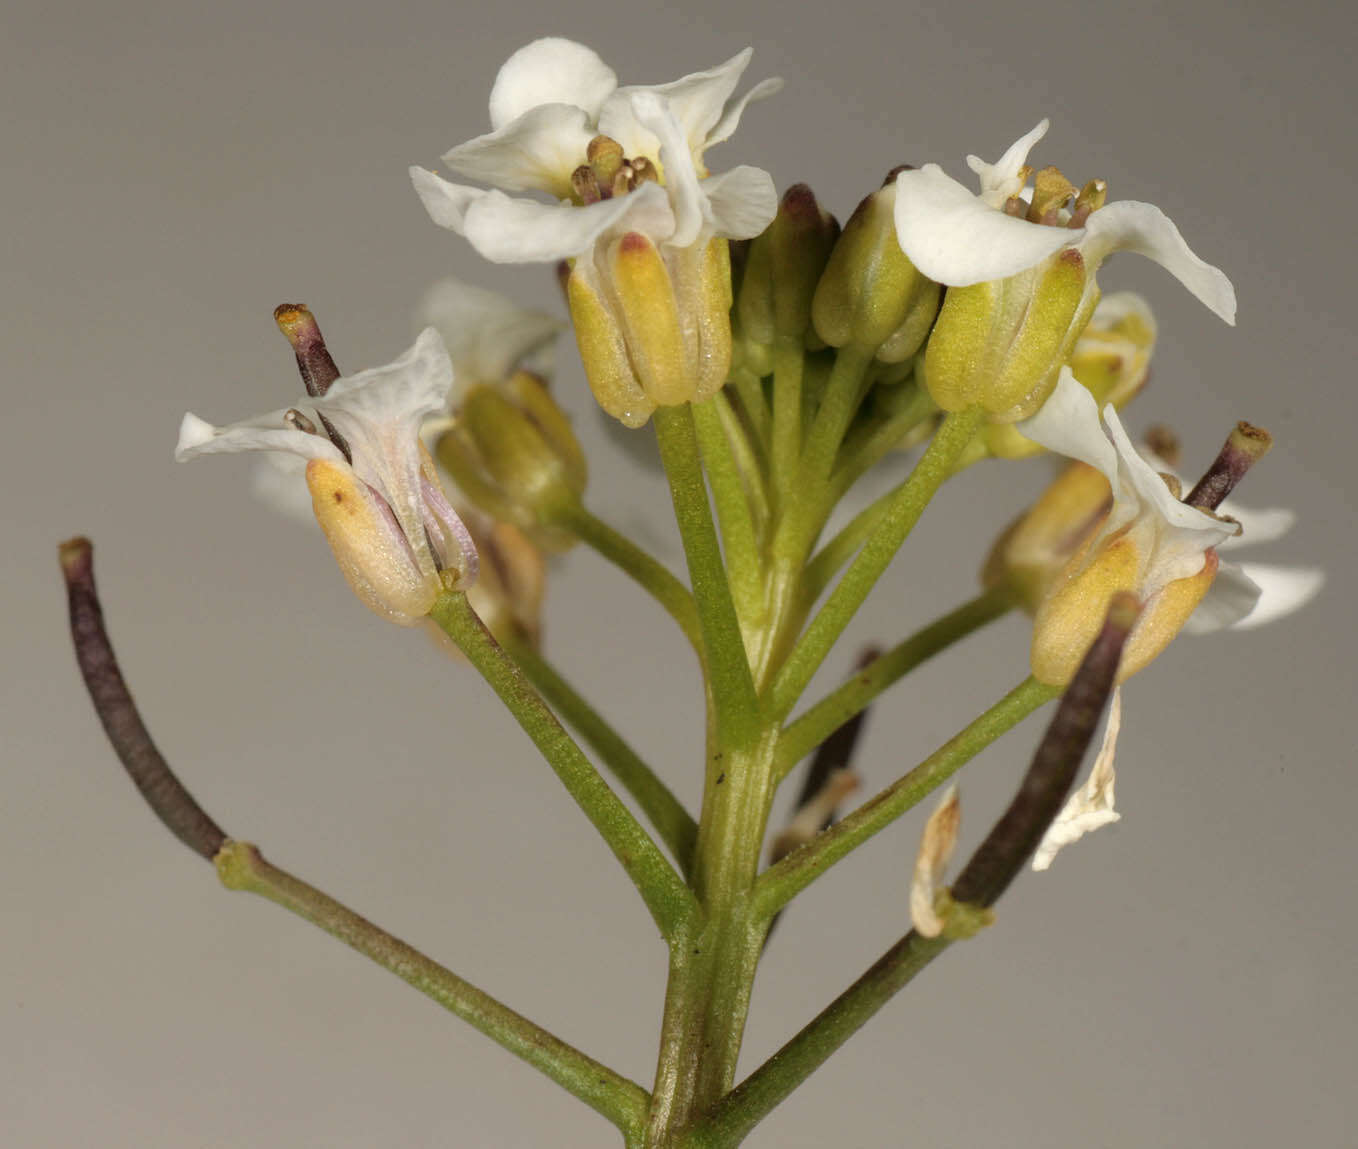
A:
262, 433
538, 151
487, 334
506, 230
681, 177
1091, 806
446, 203
1143, 228
1282, 590
1003, 178
741, 203
957, 239
1068, 423
1257, 524
552, 70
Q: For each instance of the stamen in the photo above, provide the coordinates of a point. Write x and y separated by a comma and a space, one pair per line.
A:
1051, 193
585, 184
1015, 206
299, 422
604, 155
1092, 197
1246, 445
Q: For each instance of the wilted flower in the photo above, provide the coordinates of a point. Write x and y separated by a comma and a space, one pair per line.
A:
373, 486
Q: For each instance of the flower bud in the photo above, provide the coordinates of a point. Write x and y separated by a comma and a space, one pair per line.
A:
512, 452
653, 324
870, 293
1111, 359
1001, 343
1070, 617
1034, 548
371, 551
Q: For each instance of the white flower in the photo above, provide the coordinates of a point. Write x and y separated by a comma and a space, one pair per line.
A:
488, 336
1151, 544
960, 238
373, 487
550, 100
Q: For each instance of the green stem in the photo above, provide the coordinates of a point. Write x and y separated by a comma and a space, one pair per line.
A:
863, 451
831, 712
663, 890
732, 1118
826, 562
785, 449
729, 490
843, 393
779, 884
623, 1102
751, 392
672, 822
731, 687
902, 513
644, 569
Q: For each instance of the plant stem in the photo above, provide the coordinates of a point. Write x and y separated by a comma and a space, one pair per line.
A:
672, 822
994, 865
839, 706
663, 890
843, 393
241, 867
731, 688
901, 515
644, 569
789, 364
779, 884
733, 509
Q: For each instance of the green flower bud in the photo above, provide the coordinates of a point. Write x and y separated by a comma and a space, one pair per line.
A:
1001, 343
512, 452
870, 293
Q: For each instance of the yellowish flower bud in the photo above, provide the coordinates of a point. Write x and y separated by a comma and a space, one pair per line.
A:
870, 293
1070, 617
653, 324
512, 452
369, 547
1031, 552
1001, 343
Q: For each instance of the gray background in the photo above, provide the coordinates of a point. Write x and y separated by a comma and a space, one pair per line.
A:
172, 171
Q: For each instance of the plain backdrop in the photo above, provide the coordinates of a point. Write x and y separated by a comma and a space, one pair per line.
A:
174, 170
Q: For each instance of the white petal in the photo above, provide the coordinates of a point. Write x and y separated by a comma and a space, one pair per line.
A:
1117, 306
1068, 423
550, 71
446, 203
1257, 525
741, 203
1091, 806
1141, 227
398, 394
538, 151
262, 433
1232, 596
725, 128
279, 481
1003, 178
956, 238
1207, 531
1282, 590
681, 177
506, 230
701, 103
487, 335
